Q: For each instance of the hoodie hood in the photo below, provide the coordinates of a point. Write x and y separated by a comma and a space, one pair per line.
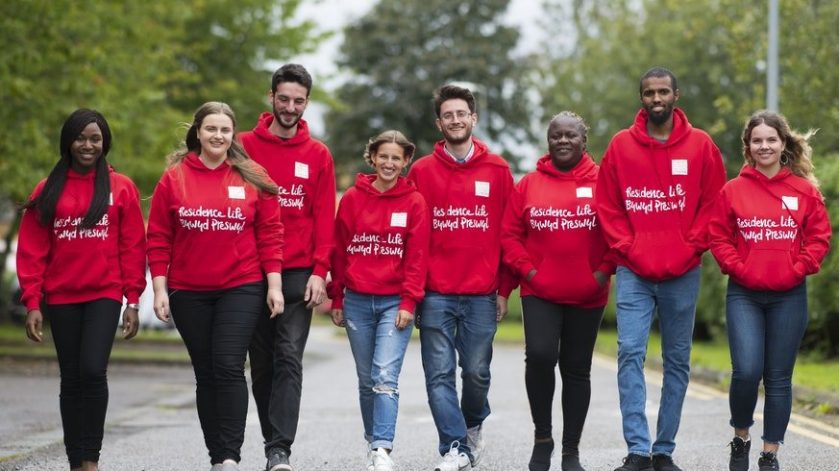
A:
364, 183
479, 156
192, 161
263, 131
74, 175
681, 129
585, 169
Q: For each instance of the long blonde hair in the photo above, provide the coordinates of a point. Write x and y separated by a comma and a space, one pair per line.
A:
250, 171
797, 151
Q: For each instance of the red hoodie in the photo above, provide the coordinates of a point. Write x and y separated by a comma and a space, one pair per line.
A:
467, 204
655, 199
71, 265
305, 173
551, 225
381, 242
769, 233
210, 230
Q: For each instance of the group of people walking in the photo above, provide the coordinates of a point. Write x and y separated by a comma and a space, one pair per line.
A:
243, 232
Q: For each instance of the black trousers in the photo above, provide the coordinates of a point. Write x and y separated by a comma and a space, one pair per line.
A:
276, 357
83, 334
556, 333
216, 327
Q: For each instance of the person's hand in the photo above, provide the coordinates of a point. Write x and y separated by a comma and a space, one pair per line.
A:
130, 322
404, 319
338, 317
34, 324
276, 302
315, 291
161, 304
601, 278
501, 308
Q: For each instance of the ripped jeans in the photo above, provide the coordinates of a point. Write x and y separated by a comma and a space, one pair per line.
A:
378, 348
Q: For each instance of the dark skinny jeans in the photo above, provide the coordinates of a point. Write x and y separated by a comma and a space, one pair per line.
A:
83, 334
557, 333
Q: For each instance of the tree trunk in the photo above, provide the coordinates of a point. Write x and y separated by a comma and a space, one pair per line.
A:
5, 288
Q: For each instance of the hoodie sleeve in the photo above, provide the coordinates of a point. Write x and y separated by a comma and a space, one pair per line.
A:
132, 243
713, 179
323, 209
268, 229
339, 253
722, 236
33, 249
161, 232
513, 233
415, 263
815, 235
507, 280
611, 210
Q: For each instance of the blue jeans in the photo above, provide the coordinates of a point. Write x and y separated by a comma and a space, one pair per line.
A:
466, 325
378, 348
764, 332
637, 301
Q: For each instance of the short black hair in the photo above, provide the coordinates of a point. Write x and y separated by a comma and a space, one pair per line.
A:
453, 92
292, 73
657, 72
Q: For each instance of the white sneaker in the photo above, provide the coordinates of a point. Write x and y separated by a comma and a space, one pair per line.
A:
454, 460
382, 460
475, 440
370, 465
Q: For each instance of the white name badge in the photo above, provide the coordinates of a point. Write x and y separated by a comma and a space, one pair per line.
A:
789, 202
399, 220
482, 189
236, 192
301, 170
679, 167
111, 199
585, 192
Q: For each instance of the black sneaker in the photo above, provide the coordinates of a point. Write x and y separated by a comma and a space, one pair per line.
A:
768, 461
571, 462
278, 460
540, 459
664, 463
739, 460
634, 462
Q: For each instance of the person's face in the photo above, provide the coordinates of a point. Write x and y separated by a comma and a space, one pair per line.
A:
456, 121
658, 98
566, 142
215, 135
289, 102
87, 148
388, 161
765, 147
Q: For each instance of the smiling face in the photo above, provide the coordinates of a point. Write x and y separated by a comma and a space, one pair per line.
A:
456, 121
86, 149
566, 142
215, 135
765, 148
658, 98
388, 161
289, 102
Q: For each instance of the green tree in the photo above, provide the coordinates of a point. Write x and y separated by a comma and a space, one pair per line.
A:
402, 50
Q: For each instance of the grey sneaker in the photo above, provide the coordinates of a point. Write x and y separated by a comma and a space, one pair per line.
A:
475, 441
455, 460
216, 467
277, 460
739, 460
229, 465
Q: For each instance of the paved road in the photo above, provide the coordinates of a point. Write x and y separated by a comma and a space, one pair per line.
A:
152, 424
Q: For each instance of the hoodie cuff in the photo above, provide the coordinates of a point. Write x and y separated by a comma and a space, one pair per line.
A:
320, 270
132, 297
338, 302
159, 269
408, 304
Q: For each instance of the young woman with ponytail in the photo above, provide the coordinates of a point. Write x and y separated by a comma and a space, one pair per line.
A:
214, 230
81, 249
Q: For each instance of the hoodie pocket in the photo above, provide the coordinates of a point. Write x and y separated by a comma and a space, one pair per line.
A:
661, 255
770, 269
567, 281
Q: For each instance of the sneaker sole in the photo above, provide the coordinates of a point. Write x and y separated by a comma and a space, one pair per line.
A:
282, 467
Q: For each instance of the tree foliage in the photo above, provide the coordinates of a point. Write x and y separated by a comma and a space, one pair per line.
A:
402, 50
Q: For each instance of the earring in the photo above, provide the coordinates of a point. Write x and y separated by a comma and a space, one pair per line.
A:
784, 159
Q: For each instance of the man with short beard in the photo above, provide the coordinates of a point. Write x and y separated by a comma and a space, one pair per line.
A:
466, 188
303, 169
656, 189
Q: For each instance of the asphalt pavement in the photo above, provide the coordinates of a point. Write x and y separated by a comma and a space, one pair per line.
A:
152, 423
